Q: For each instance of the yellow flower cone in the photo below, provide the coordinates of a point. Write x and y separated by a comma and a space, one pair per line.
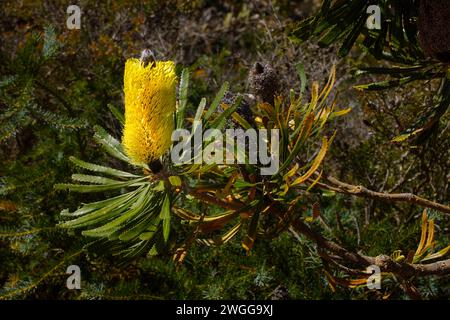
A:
150, 100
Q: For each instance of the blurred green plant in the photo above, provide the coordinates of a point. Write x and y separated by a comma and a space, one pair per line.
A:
23, 76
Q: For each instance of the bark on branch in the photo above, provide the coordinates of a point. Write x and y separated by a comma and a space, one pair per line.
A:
361, 191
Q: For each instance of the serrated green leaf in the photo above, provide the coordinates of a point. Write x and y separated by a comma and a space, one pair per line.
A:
98, 188
140, 228
165, 216
200, 109
136, 208
89, 207
183, 97
102, 169
217, 100
93, 179
117, 114
110, 144
302, 75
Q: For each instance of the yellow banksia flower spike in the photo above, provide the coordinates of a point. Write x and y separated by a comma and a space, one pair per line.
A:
150, 100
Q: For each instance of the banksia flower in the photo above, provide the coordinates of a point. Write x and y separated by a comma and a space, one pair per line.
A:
150, 99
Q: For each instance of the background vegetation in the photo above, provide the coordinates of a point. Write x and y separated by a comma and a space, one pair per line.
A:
56, 84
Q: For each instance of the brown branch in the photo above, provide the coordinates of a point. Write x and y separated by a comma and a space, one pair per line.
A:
360, 191
331, 246
386, 263
437, 268
407, 269
333, 259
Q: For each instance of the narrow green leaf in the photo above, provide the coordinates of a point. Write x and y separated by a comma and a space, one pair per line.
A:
97, 188
102, 169
217, 100
111, 144
93, 179
200, 109
110, 227
105, 213
138, 228
183, 97
117, 114
301, 73
93, 206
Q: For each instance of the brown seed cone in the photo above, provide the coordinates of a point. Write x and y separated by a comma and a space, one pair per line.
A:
264, 82
434, 28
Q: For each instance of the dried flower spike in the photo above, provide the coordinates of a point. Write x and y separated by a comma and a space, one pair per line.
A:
150, 99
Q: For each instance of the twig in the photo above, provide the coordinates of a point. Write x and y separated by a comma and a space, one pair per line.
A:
205, 197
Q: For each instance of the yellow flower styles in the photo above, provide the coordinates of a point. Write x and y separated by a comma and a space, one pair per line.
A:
150, 100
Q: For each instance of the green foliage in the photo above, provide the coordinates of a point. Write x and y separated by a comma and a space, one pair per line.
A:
139, 215
23, 77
